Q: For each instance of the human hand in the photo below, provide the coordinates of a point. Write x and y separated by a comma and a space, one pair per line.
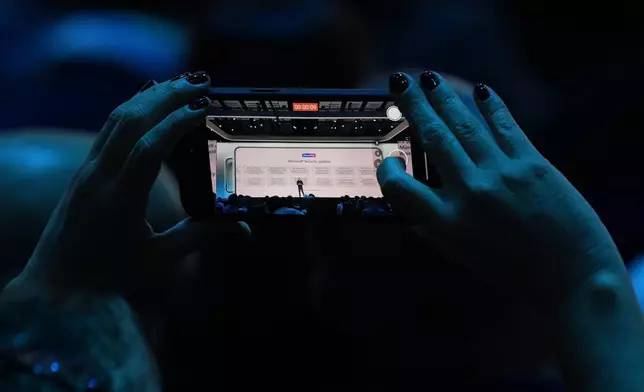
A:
98, 239
501, 202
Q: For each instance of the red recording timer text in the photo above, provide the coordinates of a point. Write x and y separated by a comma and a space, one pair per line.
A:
306, 107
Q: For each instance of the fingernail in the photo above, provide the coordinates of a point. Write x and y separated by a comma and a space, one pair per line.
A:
183, 75
198, 78
200, 103
429, 80
146, 86
481, 92
398, 83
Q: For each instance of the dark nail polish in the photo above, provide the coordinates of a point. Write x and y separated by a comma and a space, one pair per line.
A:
481, 92
398, 83
429, 80
146, 86
183, 75
198, 78
200, 103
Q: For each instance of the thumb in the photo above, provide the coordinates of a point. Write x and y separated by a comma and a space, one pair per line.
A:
407, 196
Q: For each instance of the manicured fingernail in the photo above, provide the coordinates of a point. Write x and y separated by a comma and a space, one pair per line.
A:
429, 80
183, 75
200, 103
398, 83
481, 92
146, 86
198, 78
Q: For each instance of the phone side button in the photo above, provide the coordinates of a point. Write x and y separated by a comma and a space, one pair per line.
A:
229, 175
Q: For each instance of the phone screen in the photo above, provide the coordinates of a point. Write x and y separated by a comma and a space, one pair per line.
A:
293, 169
298, 143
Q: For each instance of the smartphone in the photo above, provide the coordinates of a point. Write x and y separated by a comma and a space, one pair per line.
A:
293, 142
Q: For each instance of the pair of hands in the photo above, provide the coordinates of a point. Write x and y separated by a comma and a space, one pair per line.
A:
502, 205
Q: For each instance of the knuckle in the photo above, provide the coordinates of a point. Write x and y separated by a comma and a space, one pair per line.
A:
414, 103
435, 139
481, 187
134, 114
118, 113
461, 119
174, 93
513, 175
452, 102
143, 147
502, 119
175, 119
173, 88
452, 105
466, 127
538, 169
527, 172
497, 111
154, 90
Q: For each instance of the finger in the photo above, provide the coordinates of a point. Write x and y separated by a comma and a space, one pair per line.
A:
442, 147
105, 132
406, 195
98, 144
472, 135
506, 131
143, 164
144, 111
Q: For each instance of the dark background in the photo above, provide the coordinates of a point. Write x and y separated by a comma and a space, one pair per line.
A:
570, 70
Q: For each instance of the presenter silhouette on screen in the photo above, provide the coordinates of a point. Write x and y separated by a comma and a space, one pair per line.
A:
300, 188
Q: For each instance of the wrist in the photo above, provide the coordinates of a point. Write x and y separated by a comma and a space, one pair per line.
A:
98, 331
565, 279
601, 293
600, 339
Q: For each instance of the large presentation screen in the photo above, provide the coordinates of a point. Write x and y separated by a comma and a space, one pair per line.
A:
323, 172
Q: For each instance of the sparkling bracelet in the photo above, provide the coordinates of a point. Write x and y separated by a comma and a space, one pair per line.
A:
70, 375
